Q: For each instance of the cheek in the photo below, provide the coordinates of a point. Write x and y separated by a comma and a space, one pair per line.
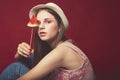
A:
53, 29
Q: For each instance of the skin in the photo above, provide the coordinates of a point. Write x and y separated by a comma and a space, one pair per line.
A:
60, 56
47, 24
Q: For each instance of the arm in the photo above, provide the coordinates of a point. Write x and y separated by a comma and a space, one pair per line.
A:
51, 61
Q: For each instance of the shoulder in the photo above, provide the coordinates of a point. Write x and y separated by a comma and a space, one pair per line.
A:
60, 52
67, 46
63, 48
70, 53
57, 54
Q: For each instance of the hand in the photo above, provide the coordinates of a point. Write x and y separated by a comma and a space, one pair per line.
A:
24, 49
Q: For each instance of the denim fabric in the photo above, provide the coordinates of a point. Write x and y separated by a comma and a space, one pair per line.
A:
14, 71
17, 69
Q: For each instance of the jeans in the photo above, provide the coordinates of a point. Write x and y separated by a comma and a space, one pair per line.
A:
14, 71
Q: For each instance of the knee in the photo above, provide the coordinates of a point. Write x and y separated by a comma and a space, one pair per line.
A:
14, 70
15, 64
18, 67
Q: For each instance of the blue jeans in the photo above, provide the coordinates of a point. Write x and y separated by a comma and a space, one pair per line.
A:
14, 71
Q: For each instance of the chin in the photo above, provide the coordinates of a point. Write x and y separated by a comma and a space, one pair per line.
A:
47, 39
44, 39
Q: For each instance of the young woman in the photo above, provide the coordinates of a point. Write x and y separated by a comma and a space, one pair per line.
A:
54, 56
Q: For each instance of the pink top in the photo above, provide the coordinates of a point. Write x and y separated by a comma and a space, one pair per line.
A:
84, 72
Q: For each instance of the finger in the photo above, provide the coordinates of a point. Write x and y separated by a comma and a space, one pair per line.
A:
24, 47
23, 51
22, 54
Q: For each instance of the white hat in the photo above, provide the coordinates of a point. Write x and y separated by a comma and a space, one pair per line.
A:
55, 8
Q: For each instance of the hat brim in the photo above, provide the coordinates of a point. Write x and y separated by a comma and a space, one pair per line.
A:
35, 9
52, 6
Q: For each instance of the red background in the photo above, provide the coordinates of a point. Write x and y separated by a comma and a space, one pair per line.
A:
94, 25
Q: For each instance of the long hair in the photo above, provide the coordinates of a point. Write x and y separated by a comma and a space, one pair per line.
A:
41, 48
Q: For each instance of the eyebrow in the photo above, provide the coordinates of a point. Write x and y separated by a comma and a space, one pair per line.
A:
46, 19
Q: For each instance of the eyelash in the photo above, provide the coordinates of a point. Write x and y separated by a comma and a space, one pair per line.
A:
47, 21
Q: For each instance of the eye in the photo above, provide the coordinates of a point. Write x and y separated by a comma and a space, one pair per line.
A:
48, 21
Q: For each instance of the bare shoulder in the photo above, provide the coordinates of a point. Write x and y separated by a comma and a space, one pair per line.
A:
55, 57
71, 58
64, 56
63, 50
59, 52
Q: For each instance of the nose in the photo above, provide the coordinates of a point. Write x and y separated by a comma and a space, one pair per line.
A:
41, 26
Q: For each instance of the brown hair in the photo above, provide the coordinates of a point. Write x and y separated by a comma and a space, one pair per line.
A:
41, 48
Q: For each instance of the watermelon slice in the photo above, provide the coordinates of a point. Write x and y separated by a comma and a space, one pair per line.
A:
33, 22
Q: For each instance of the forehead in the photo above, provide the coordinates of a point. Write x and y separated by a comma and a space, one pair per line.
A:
43, 14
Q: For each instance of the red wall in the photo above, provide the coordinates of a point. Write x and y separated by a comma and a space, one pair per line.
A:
94, 25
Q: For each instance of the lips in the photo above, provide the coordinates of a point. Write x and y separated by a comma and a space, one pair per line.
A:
42, 33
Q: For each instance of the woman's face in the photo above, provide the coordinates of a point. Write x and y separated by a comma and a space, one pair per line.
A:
48, 27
